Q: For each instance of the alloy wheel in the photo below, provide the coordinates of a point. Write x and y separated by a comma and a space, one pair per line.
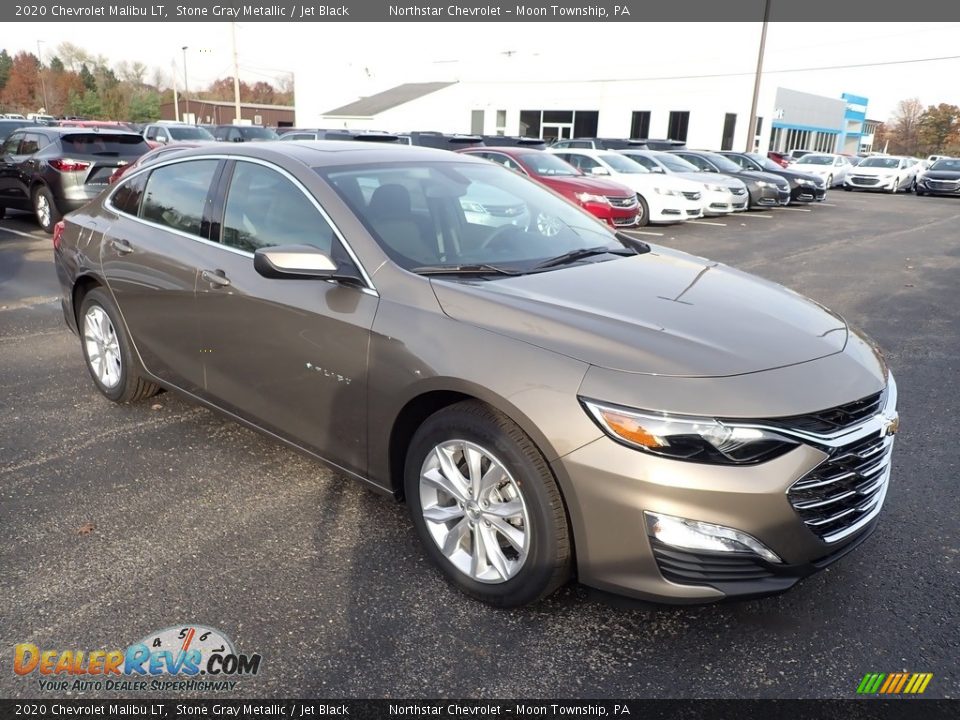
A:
474, 511
43, 209
102, 346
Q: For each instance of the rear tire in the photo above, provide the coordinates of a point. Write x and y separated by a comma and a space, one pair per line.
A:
45, 209
486, 506
108, 352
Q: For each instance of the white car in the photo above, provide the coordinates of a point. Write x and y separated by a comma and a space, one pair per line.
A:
663, 199
722, 194
892, 173
832, 168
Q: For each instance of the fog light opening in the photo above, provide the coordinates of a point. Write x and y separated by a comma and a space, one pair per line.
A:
695, 535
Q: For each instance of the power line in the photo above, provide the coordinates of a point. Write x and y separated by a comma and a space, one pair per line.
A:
736, 74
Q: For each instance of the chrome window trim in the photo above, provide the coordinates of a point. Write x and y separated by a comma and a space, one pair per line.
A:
370, 287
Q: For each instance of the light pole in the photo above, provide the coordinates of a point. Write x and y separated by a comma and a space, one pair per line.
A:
186, 98
752, 127
43, 85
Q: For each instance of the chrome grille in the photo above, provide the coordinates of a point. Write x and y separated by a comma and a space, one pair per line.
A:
846, 491
622, 202
625, 222
834, 419
863, 180
943, 184
692, 195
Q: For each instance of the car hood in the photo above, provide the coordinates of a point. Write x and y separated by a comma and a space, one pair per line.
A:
792, 174
811, 169
586, 184
942, 174
875, 171
663, 312
760, 175
710, 178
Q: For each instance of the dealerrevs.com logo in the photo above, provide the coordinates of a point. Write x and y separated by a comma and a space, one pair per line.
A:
186, 657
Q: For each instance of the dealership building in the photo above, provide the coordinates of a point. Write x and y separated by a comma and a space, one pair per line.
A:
711, 114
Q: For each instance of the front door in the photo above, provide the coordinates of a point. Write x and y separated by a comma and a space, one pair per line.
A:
289, 355
557, 131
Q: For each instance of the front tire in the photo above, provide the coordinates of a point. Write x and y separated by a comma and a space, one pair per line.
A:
486, 506
643, 212
45, 209
896, 187
830, 181
107, 350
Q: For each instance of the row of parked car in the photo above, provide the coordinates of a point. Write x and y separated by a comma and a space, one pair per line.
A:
51, 170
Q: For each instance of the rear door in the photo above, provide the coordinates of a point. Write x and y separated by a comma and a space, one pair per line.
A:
288, 355
151, 252
11, 189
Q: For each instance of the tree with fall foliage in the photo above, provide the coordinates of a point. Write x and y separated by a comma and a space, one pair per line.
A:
940, 129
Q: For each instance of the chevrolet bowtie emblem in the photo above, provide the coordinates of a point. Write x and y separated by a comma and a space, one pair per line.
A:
893, 425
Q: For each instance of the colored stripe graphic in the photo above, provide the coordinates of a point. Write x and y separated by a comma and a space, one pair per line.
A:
894, 683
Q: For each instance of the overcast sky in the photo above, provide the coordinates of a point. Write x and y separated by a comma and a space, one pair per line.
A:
376, 56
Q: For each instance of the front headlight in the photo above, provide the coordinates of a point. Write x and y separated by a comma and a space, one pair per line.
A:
474, 207
591, 198
664, 191
803, 181
764, 184
714, 188
682, 437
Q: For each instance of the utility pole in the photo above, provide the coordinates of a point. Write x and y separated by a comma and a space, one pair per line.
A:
43, 85
752, 128
186, 98
236, 74
176, 100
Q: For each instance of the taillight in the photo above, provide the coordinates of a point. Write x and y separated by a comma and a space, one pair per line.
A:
68, 165
58, 234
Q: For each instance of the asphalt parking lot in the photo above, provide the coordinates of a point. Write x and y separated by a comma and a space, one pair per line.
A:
191, 518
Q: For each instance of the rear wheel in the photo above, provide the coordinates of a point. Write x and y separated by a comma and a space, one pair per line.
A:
486, 506
45, 208
107, 350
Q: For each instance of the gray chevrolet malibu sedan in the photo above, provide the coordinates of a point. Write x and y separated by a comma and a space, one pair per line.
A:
550, 398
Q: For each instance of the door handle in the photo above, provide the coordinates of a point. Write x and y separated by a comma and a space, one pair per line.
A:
121, 246
215, 277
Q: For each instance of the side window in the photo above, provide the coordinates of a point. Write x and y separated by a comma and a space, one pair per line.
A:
30, 144
700, 163
648, 163
151, 133
176, 195
12, 144
582, 162
563, 145
126, 198
265, 209
234, 135
580, 144
506, 161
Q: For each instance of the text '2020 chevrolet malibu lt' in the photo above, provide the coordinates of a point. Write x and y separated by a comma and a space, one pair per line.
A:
549, 397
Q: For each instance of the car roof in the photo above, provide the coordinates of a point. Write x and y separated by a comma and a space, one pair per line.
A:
511, 150
328, 152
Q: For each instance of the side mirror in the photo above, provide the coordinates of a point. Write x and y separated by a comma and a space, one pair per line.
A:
599, 171
300, 262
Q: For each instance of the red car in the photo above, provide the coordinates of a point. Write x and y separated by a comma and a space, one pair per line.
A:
779, 158
149, 157
612, 202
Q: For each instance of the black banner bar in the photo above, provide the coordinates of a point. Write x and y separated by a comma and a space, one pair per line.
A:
167, 709
490, 11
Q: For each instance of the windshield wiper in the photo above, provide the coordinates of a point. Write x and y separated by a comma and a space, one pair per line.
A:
474, 269
579, 254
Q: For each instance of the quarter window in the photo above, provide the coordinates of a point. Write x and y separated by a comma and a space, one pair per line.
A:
127, 197
176, 195
12, 144
265, 209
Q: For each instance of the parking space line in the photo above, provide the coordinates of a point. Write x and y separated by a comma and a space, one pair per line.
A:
644, 232
21, 234
753, 215
826, 204
705, 222
796, 209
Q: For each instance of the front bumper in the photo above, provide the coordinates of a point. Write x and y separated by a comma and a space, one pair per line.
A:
666, 209
768, 196
610, 486
870, 183
939, 187
721, 202
807, 194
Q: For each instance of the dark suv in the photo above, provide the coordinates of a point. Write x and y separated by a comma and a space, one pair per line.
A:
53, 170
244, 133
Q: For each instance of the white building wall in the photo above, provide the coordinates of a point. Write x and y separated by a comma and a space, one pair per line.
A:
449, 110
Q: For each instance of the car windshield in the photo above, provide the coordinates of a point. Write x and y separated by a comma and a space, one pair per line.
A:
880, 162
815, 160
723, 164
542, 163
674, 163
437, 215
948, 164
764, 162
623, 164
103, 143
189, 132
258, 133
